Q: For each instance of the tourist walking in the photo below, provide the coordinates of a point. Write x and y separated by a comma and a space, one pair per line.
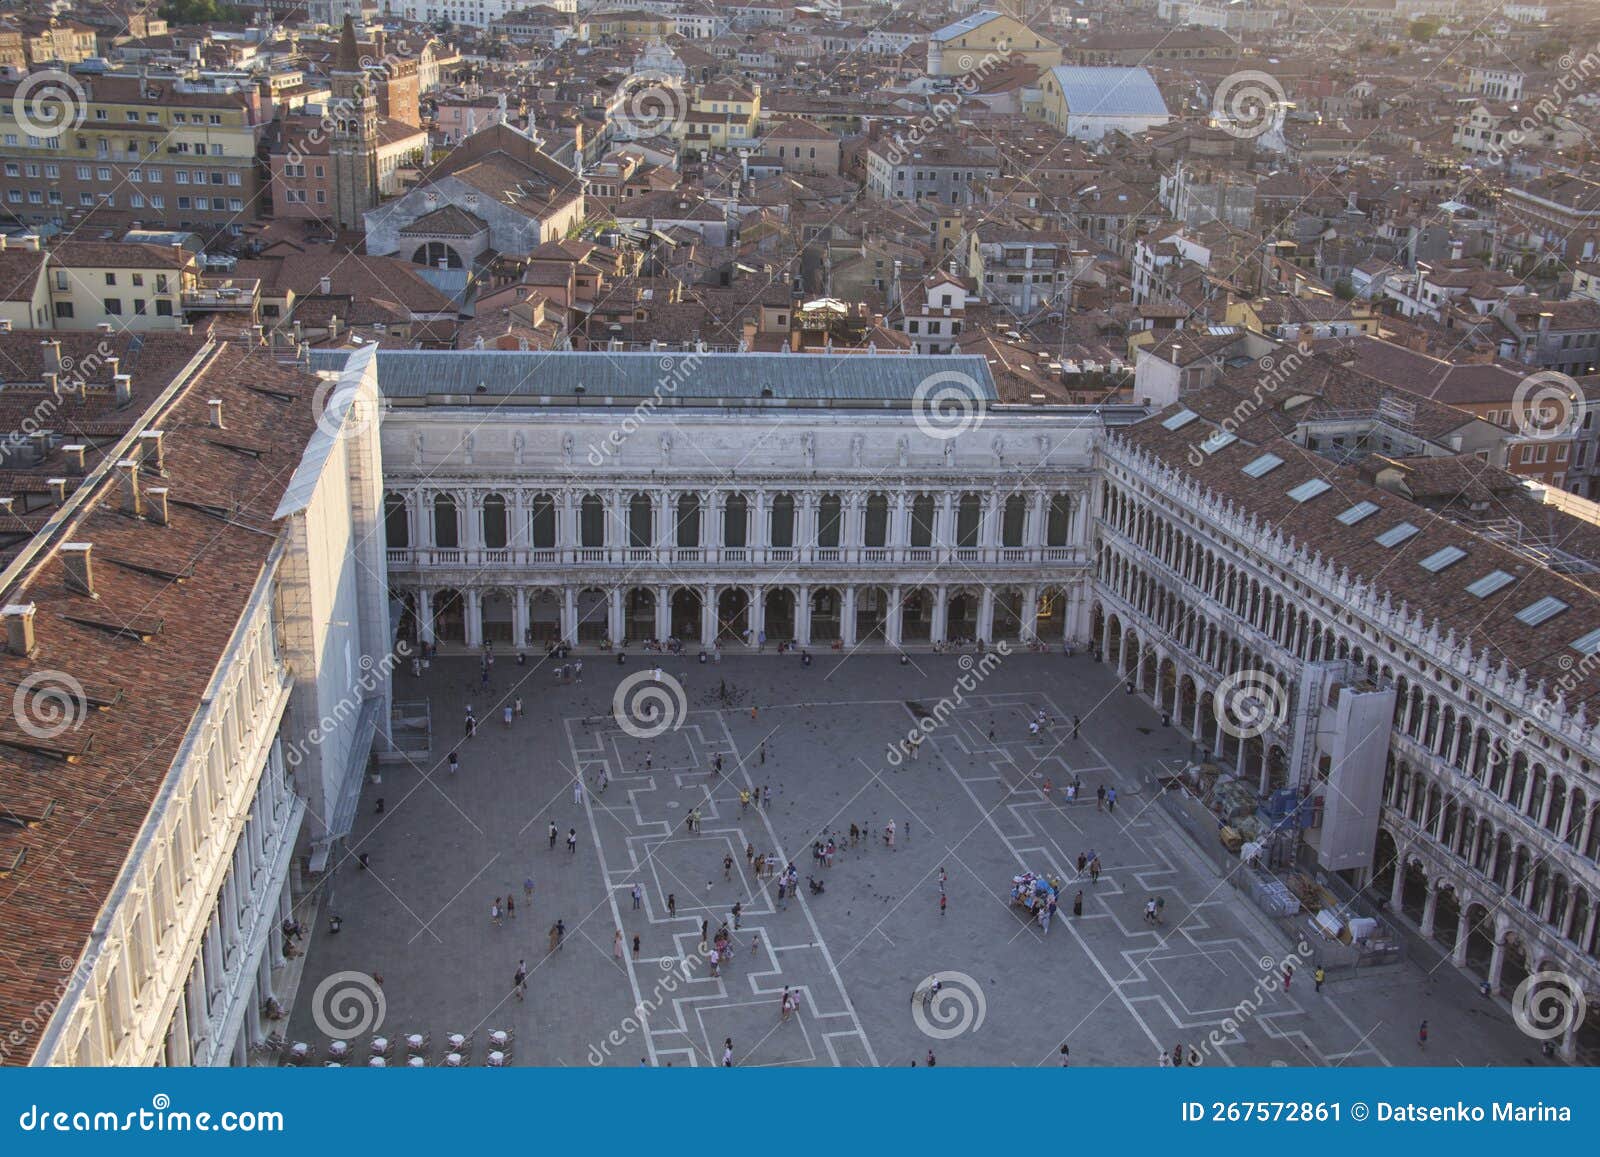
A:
672, 903
511, 906
1077, 903
616, 946
1100, 798
636, 946
519, 982
494, 912
637, 896
1111, 800
1318, 977
572, 841
553, 835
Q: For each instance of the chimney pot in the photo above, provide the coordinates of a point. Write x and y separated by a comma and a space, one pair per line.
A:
131, 500
326, 286
52, 382
123, 386
158, 505
51, 349
76, 452
216, 412
152, 443
58, 490
19, 627
78, 558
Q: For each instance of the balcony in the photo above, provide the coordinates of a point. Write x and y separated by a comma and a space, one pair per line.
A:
222, 294
425, 558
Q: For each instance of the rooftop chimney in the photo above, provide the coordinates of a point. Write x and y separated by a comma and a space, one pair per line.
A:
151, 442
58, 490
131, 501
216, 413
78, 558
326, 286
158, 505
122, 385
114, 365
75, 452
52, 382
51, 349
19, 628
106, 327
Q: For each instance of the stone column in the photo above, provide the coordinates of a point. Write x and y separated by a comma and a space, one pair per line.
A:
1030, 613
758, 612
472, 598
425, 614
940, 614
986, 614
663, 614
847, 617
615, 625
519, 617
1497, 958
1397, 890
569, 614
1458, 954
759, 533
802, 616
1430, 908
899, 527
891, 626
708, 615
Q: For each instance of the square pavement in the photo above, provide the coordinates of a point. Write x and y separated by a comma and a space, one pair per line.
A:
1113, 987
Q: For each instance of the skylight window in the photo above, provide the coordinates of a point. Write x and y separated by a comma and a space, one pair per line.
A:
1493, 581
1440, 559
1395, 535
1357, 512
1263, 466
1588, 645
1308, 490
1218, 440
1542, 611
1179, 420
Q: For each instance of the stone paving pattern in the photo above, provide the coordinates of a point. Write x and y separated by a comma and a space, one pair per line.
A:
1113, 987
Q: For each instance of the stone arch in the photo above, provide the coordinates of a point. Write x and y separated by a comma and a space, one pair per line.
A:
449, 616
639, 614
827, 610
872, 614
544, 615
778, 614
430, 253
733, 613
686, 612
496, 611
594, 612
962, 606
1008, 614
916, 615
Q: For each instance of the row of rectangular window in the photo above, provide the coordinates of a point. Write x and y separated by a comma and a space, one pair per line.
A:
135, 200
52, 172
